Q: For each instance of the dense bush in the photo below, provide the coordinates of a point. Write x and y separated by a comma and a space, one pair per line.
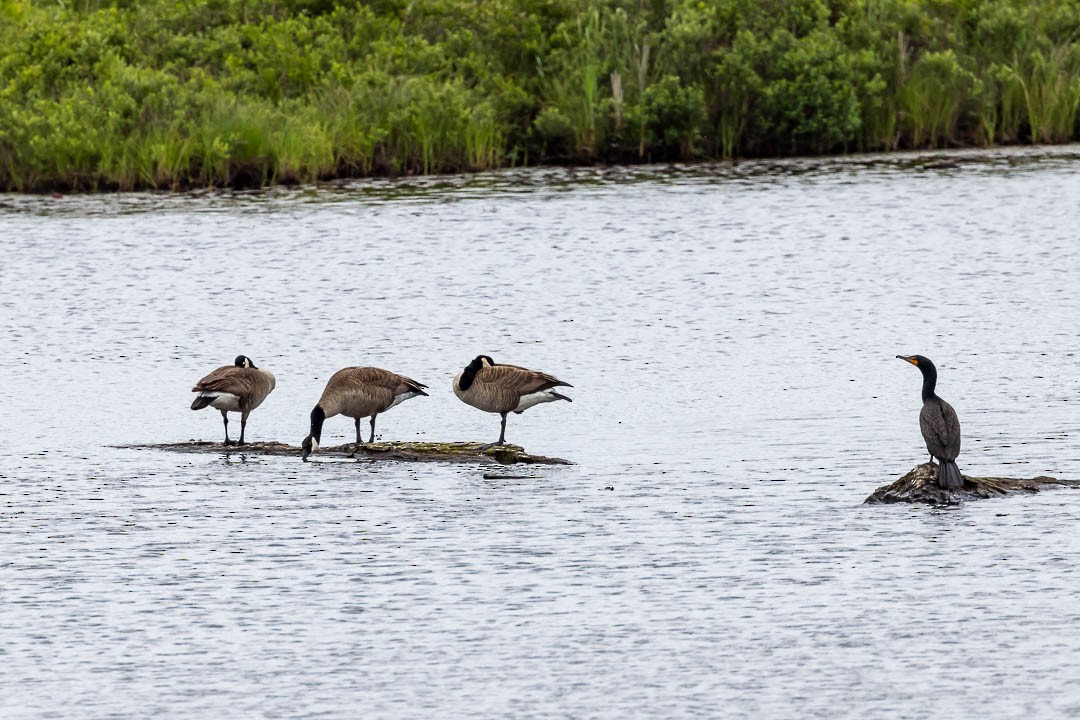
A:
179, 93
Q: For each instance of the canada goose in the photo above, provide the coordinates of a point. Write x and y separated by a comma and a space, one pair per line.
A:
240, 387
502, 389
939, 425
358, 392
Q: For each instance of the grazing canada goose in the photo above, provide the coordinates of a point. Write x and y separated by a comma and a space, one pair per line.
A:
358, 392
939, 424
502, 389
240, 387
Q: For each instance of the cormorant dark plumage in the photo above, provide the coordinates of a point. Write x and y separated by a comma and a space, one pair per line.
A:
939, 424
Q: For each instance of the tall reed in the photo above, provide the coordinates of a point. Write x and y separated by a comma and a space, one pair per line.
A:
1049, 83
573, 84
932, 97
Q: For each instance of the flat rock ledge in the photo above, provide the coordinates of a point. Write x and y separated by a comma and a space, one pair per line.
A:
399, 451
920, 486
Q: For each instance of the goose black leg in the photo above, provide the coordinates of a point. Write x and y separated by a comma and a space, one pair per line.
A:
359, 437
502, 435
225, 419
372, 438
243, 426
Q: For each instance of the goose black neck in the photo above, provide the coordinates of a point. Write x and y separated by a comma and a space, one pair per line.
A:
929, 379
469, 373
318, 416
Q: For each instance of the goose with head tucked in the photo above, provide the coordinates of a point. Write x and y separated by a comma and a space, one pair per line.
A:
359, 392
499, 388
240, 387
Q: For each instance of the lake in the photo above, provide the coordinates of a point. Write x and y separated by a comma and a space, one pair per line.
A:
730, 332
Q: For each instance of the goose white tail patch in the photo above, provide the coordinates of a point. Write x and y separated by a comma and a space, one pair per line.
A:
398, 399
223, 401
536, 398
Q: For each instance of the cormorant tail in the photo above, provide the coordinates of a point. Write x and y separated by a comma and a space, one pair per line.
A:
202, 401
948, 475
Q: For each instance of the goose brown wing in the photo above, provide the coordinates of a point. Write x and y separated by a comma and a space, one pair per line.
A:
370, 389
363, 389
362, 377
228, 378
521, 380
406, 385
254, 383
372, 377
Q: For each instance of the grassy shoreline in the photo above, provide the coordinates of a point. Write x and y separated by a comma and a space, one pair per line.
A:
244, 93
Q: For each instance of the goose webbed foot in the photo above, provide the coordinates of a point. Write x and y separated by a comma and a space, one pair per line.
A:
502, 435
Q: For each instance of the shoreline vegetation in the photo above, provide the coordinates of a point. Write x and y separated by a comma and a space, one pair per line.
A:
178, 94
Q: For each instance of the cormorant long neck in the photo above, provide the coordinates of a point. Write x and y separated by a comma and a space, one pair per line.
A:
929, 379
317, 419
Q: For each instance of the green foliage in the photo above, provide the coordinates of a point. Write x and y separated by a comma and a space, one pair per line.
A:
674, 117
933, 97
98, 94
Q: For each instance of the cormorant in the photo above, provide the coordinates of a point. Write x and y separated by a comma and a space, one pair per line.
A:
939, 424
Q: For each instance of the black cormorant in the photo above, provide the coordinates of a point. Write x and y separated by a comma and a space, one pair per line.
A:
939, 424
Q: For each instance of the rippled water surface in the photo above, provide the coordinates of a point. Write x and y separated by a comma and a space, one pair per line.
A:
730, 333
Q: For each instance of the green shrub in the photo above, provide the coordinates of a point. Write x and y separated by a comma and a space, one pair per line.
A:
98, 94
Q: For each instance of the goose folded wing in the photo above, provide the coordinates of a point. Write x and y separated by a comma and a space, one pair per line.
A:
522, 380
239, 381
406, 385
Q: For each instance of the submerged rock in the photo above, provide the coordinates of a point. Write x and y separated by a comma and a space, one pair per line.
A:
920, 485
401, 451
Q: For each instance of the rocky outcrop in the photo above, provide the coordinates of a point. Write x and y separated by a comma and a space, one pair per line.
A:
388, 451
920, 486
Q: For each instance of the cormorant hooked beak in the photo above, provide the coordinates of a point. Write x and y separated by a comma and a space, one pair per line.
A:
911, 359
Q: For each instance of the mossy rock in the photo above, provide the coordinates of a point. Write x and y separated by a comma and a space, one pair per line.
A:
400, 451
920, 486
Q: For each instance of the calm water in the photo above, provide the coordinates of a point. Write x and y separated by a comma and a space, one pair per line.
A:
730, 333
